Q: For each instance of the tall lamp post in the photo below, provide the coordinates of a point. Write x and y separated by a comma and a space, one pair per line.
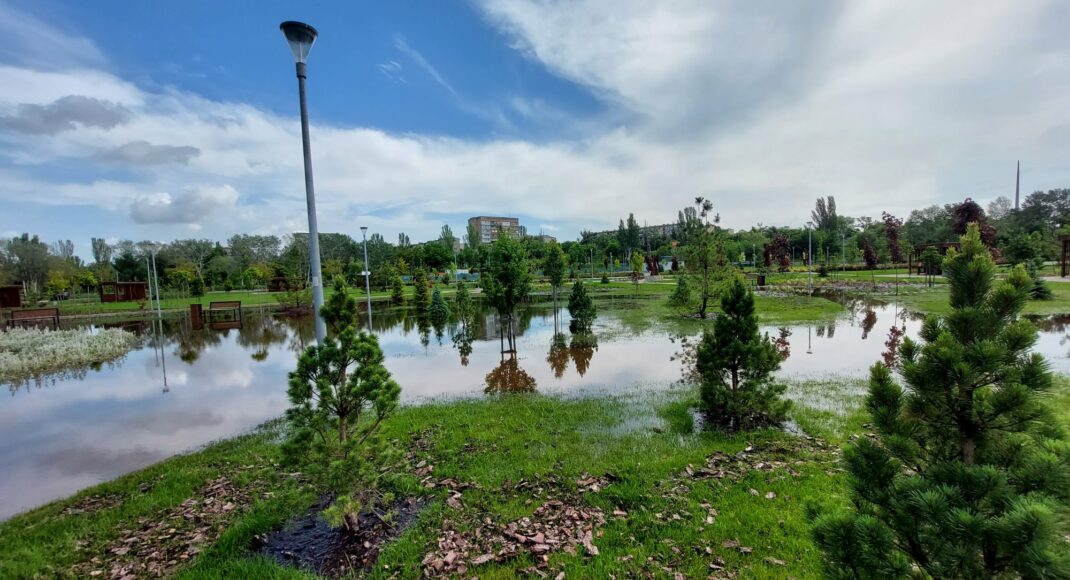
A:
300, 36
843, 249
367, 275
810, 253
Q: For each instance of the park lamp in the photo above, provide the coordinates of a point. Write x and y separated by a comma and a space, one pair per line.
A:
300, 37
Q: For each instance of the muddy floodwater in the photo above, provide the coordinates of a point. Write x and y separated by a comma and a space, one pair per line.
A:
183, 388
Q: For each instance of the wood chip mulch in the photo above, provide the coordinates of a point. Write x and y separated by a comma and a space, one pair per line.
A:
159, 545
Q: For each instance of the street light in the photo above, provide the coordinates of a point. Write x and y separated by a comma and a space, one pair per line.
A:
367, 275
810, 253
300, 36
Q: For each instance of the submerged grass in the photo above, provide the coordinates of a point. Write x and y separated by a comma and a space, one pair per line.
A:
26, 353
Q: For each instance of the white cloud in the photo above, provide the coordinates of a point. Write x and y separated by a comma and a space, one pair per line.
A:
886, 105
30, 41
190, 206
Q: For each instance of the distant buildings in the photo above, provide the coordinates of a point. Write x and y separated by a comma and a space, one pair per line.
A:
667, 231
489, 227
545, 238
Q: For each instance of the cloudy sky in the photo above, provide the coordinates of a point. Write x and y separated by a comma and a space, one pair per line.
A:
163, 120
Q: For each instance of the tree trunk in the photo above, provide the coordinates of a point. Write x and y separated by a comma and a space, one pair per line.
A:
969, 450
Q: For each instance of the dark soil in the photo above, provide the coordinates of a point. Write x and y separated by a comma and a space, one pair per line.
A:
309, 543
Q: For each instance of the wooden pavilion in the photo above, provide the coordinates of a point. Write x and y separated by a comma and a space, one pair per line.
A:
122, 291
10, 297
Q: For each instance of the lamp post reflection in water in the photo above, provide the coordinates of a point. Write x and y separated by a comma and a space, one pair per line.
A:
367, 276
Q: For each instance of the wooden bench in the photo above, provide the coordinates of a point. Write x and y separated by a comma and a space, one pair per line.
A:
225, 306
33, 316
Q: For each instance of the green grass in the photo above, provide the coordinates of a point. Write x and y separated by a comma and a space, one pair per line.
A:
92, 305
644, 438
935, 301
648, 311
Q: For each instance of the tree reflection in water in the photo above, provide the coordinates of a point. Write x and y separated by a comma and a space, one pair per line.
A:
868, 321
558, 355
508, 377
783, 342
261, 332
582, 350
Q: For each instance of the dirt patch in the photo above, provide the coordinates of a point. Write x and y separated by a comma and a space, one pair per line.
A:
311, 544
159, 545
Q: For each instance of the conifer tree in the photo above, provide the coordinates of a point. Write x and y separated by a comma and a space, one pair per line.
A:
397, 290
340, 393
421, 293
681, 295
582, 309
439, 309
968, 468
735, 366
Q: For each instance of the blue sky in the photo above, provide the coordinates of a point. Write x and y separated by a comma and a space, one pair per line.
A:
163, 120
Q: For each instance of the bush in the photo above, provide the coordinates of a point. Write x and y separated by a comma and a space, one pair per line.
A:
605, 278
822, 271
196, 286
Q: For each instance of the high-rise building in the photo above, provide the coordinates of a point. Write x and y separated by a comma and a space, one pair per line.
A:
489, 227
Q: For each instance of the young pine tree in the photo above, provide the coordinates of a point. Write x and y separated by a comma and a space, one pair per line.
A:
582, 309
968, 469
681, 295
397, 290
439, 309
340, 393
421, 292
735, 366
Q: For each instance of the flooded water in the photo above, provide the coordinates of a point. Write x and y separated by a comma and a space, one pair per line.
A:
183, 388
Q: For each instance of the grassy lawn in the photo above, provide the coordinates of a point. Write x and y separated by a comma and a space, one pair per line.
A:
658, 518
642, 442
247, 298
935, 301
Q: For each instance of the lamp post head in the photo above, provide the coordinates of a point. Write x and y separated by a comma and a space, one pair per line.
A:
363, 228
300, 36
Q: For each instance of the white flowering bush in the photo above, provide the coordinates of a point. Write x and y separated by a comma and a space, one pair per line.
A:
32, 352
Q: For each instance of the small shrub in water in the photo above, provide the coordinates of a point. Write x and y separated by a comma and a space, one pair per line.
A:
735, 366
582, 309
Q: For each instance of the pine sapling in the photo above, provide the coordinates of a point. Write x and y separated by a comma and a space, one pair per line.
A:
735, 365
968, 468
340, 394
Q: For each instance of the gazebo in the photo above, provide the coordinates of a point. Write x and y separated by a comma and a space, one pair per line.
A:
122, 291
1064, 261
